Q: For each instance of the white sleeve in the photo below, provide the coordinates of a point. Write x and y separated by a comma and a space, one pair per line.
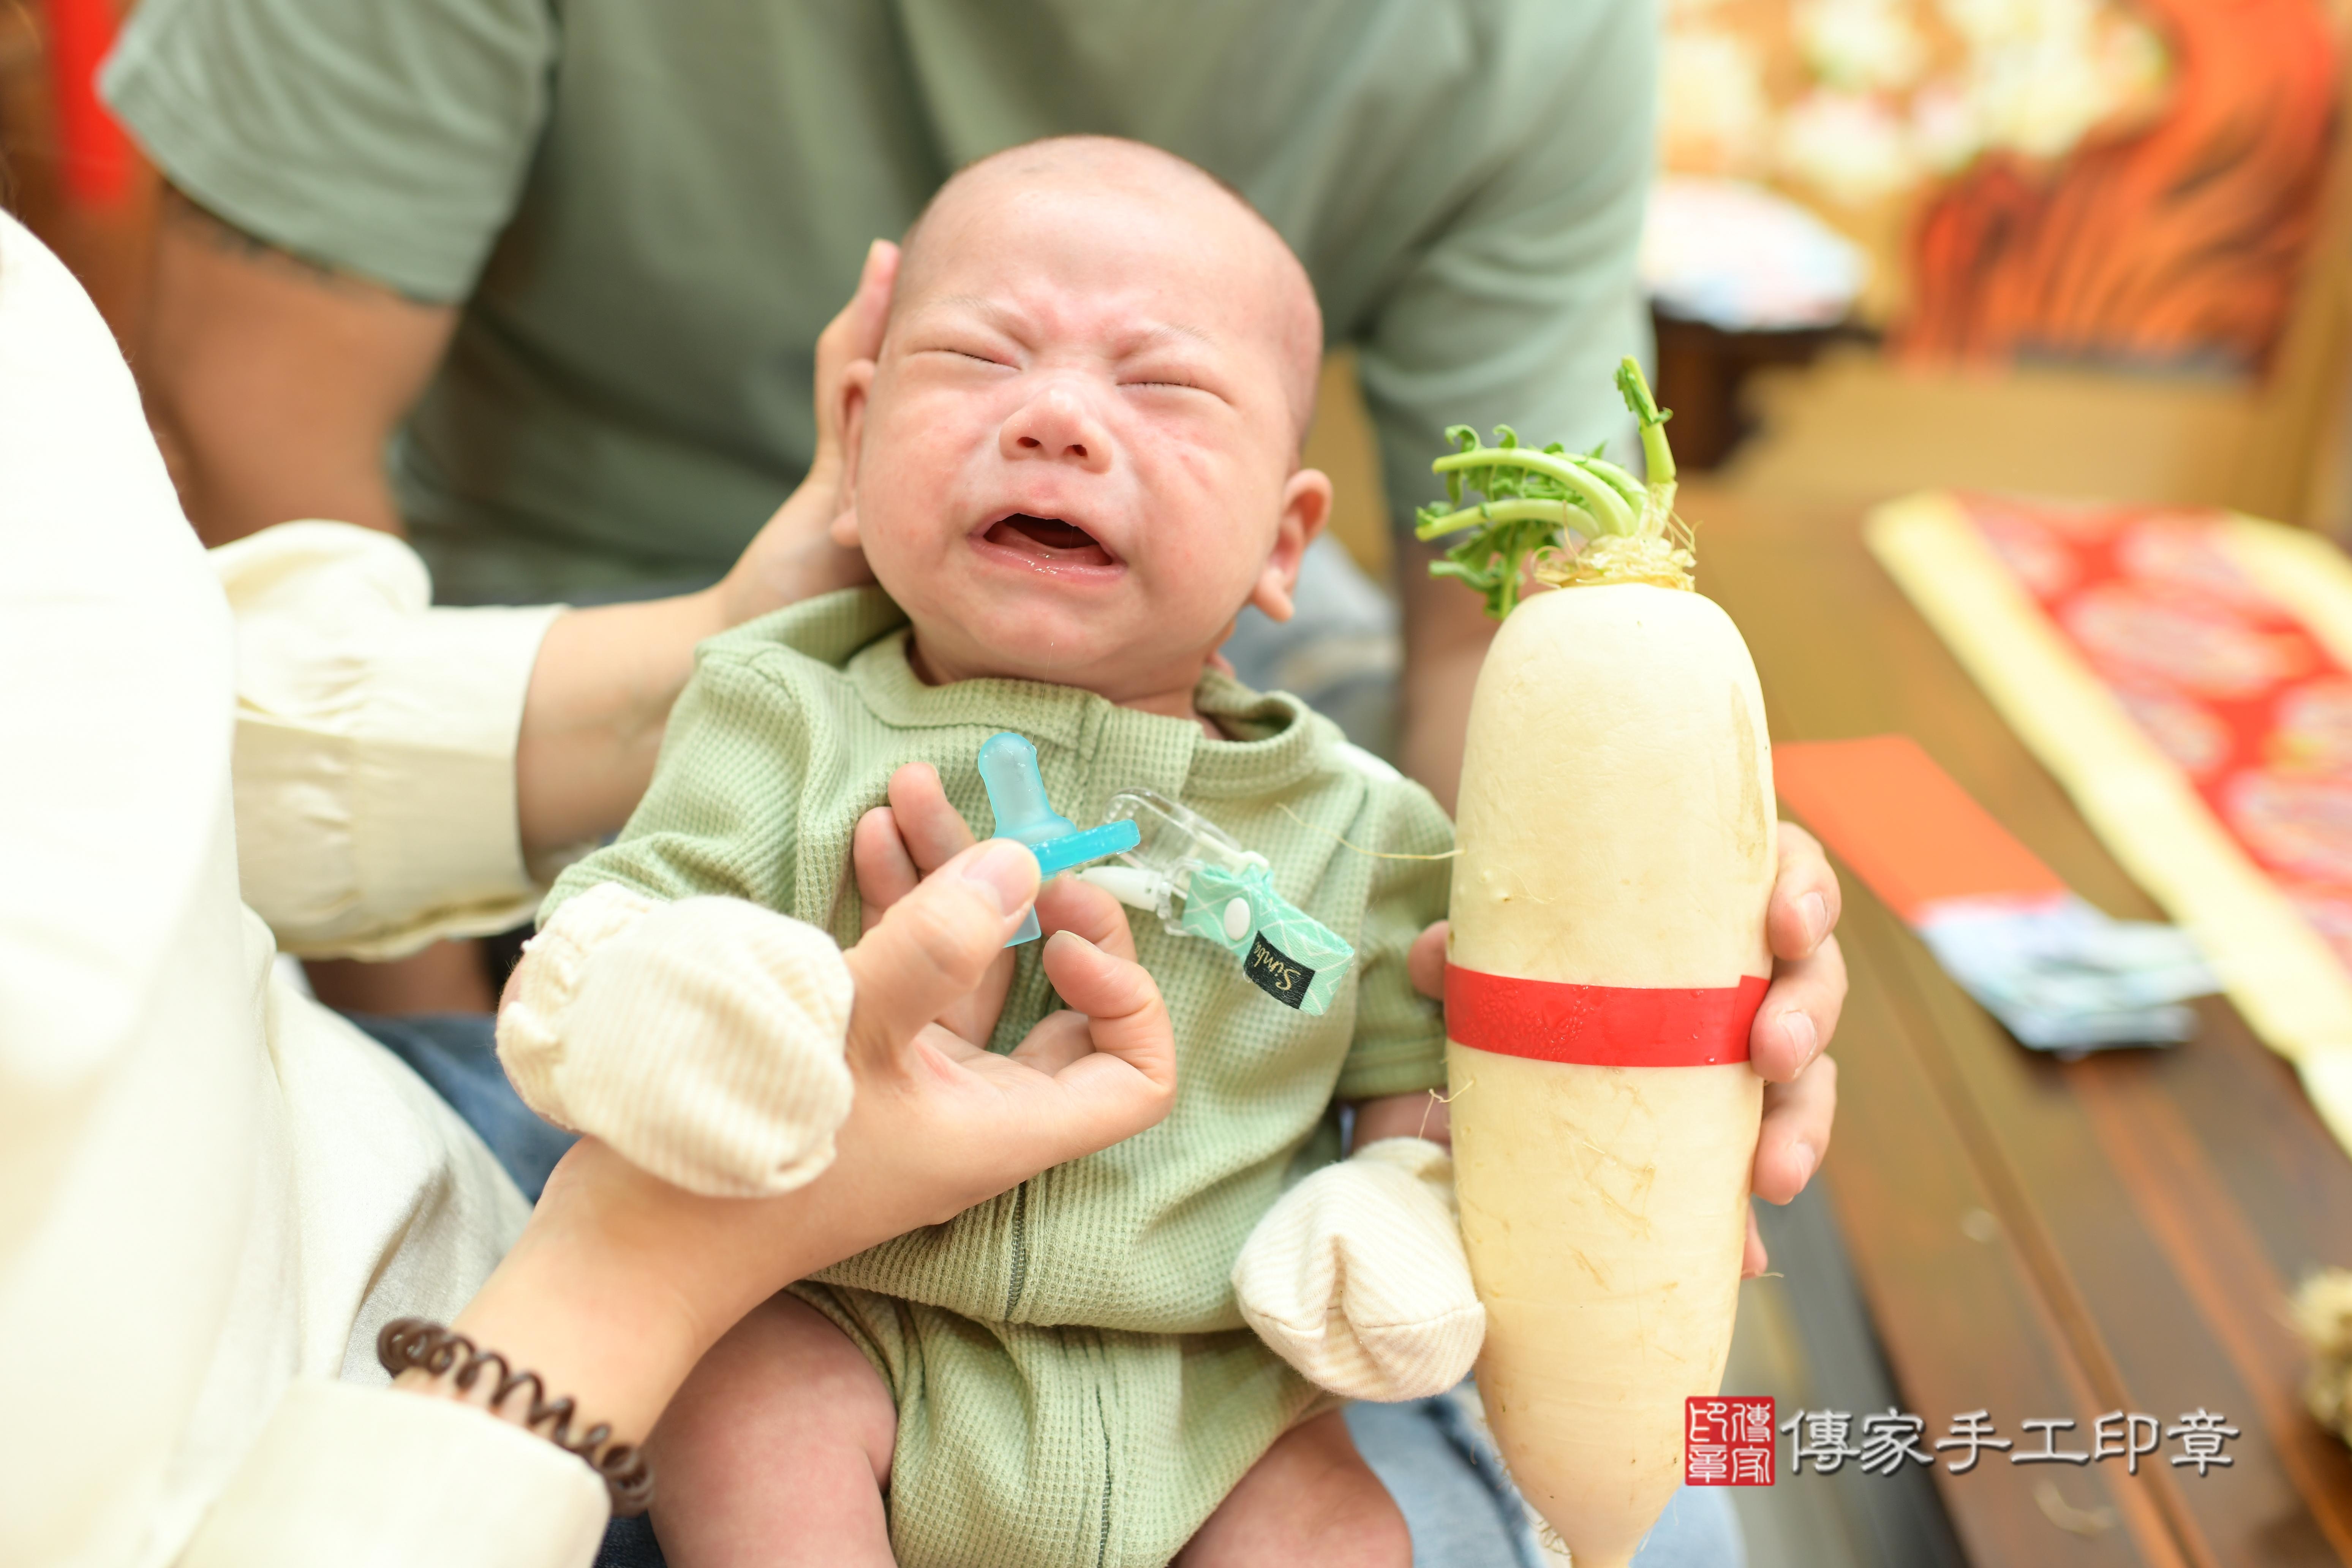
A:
371, 1475
375, 745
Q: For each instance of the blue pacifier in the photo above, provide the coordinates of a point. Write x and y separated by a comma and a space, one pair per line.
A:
1016, 792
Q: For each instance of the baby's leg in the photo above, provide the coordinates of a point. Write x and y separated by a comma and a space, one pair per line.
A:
1311, 1499
777, 1450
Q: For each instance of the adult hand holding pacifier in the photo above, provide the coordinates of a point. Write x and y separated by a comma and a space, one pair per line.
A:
622, 1280
898, 844
1101, 1068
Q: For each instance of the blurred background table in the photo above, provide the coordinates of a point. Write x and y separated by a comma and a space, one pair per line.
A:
2037, 1237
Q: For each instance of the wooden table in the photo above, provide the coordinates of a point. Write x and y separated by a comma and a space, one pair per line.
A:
2035, 1237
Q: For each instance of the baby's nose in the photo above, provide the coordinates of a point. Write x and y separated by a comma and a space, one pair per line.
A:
1056, 424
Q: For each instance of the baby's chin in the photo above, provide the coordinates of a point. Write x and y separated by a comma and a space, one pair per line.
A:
1090, 659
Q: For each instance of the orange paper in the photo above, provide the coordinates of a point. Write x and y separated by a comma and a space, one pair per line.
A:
1902, 823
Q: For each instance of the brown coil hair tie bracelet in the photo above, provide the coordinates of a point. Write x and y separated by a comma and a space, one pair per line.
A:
417, 1344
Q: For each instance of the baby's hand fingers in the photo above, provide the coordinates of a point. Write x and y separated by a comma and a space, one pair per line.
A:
935, 831
885, 871
1068, 904
1126, 1018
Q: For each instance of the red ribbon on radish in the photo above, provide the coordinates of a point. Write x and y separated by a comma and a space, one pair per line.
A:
1601, 1025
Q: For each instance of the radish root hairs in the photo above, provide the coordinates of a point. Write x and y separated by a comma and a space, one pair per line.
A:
1581, 518
1368, 853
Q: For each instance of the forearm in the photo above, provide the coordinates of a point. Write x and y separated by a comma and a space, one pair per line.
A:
599, 701
613, 1302
273, 383
602, 691
1445, 637
606, 678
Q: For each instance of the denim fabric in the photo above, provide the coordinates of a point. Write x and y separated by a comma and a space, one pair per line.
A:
457, 1054
1445, 1476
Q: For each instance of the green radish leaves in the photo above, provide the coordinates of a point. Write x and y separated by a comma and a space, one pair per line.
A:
1532, 500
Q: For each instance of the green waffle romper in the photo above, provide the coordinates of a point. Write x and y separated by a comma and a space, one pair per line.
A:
1074, 1380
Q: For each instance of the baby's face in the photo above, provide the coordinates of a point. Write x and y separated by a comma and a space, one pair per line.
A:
1075, 458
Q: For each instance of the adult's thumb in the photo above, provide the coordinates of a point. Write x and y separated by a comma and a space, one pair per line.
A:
934, 945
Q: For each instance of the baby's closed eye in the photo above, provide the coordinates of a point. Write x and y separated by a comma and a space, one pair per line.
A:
1174, 384
970, 355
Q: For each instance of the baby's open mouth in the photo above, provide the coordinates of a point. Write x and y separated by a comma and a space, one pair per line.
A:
1048, 540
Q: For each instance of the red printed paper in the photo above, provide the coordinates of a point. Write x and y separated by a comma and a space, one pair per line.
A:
2225, 681
1905, 824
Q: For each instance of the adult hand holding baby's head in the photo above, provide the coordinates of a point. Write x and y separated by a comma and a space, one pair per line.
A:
794, 555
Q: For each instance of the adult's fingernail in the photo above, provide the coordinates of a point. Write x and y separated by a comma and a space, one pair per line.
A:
1082, 941
1803, 1037
1006, 869
1815, 912
1806, 1158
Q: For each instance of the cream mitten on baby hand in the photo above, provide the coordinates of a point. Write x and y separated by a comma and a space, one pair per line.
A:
1358, 1277
702, 1040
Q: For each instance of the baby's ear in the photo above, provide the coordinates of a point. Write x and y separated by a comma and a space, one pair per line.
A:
857, 386
1305, 507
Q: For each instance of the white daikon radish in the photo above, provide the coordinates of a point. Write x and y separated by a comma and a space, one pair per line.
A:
1616, 829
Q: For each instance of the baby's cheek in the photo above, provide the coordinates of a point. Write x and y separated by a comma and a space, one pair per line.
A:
905, 487
902, 536
1209, 574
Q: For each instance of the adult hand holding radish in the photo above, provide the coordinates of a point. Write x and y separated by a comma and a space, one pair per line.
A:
1608, 958
1787, 1044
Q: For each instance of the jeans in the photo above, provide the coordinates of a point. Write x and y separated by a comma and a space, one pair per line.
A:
1445, 1477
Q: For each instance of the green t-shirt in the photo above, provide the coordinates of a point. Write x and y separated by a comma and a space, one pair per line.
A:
789, 732
650, 207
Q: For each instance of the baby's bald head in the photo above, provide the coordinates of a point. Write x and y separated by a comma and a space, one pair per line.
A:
1223, 233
